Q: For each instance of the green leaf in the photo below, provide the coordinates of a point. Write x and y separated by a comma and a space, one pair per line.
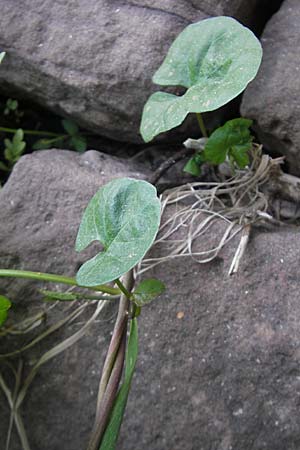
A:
18, 136
147, 291
70, 127
2, 54
239, 154
12, 104
124, 216
8, 143
5, 304
60, 296
111, 434
79, 143
233, 139
42, 144
15, 147
162, 112
214, 59
192, 167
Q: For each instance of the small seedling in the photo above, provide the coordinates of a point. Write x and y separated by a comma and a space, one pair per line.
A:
14, 149
12, 107
230, 143
214, 60
124, 216
72, 138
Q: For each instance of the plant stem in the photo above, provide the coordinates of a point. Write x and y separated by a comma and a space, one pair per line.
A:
111, 373
39, 276
123, 288
201, 125
33, 132
109, 396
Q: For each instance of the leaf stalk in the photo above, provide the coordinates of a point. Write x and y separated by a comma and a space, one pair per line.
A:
50, 277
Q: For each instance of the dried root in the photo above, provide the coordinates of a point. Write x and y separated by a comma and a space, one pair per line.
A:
252, 196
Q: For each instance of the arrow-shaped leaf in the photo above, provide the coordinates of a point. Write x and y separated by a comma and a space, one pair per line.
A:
124, 216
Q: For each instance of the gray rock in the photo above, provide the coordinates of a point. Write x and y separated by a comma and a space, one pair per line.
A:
93, 60
272, 99
223, 374
226, 375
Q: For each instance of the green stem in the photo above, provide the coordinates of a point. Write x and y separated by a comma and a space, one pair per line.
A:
33, 132
135, 311
111, 373
123, 288
53, 278
201, 125
61, 137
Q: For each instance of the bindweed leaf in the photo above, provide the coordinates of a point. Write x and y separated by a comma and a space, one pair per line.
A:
162, 112
124, 216
239, 154
2, 54
192, 167
110, 437
147, 291
5, 304
233, 140
79, 143
214, 59
70, 127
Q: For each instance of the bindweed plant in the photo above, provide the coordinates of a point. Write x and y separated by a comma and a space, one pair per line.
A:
214, 60
124, 216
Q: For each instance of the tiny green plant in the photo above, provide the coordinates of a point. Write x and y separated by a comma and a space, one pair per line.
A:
124, 216
12, 108
230, 143
14, 149
214, 59
72, 137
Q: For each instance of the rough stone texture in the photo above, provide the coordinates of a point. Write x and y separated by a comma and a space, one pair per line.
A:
225, 376
272, 100
93, 60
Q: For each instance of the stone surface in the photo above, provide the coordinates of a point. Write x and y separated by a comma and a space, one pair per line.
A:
93, 60
219, 363
226, 375
272, 99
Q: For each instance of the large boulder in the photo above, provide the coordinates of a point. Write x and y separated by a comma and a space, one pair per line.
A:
93, 60
219, 356
272, 100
